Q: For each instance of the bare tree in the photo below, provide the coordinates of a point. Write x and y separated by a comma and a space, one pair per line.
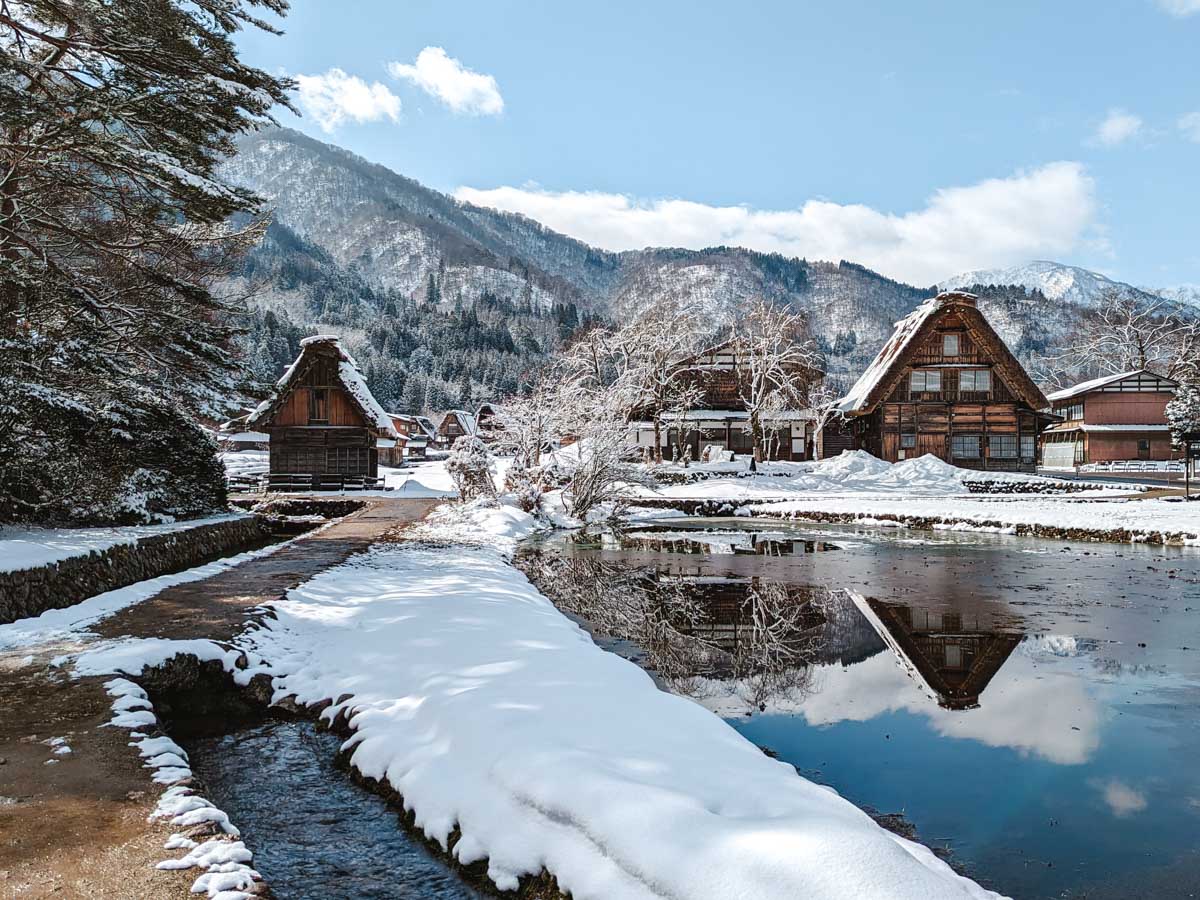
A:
1127, 333
775, 362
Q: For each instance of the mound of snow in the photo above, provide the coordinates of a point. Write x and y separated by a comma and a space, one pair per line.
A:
852, 464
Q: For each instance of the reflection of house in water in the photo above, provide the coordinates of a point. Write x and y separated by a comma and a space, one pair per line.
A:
749, 543
951, 656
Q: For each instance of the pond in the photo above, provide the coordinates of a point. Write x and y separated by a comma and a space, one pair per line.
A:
1030, 708
315, 834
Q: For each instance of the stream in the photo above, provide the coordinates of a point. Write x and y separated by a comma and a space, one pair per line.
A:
1029, 708
315, 834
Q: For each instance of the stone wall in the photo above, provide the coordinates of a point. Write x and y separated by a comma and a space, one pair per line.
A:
30, 592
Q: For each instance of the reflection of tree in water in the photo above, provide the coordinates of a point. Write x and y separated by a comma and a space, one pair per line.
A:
701, 636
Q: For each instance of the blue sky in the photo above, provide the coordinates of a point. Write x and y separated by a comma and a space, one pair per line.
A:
920, 138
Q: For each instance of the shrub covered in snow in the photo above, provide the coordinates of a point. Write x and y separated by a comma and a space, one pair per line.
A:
470, 465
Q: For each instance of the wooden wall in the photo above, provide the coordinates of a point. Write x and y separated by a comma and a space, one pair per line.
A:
1125, 408
341, 411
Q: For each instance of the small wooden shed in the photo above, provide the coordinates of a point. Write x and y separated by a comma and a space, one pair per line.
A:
325, 427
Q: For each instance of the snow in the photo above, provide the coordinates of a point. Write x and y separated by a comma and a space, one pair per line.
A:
852, 472
246, 462
491, 713
427, 478
225, 863
54, 624
906, 331
980, 513
1055, 280
28, 548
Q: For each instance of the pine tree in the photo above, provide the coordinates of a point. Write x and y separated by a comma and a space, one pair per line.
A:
113, 118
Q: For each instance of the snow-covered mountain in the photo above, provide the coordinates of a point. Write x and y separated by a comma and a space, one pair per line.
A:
357, 223
1055, 280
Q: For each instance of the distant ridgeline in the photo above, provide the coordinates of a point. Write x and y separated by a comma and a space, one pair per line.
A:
445, 304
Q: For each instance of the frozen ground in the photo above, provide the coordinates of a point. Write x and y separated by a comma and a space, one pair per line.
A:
27, 548
427, 478
491, 712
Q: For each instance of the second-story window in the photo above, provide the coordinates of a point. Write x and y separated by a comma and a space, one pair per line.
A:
974, 380
949, 345
318, 405
926, 381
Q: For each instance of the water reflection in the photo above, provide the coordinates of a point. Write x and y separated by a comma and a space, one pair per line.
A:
1034, 704
753, 543
951, 657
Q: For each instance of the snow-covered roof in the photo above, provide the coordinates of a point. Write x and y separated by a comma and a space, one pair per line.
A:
695, 415
906, 332
466, 421
244, 437
1085, 386
349, 375
867, 391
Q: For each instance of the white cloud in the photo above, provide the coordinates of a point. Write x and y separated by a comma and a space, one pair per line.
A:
1180, 8
1121, 799
1118, 126
1189, 124
447, 79
1038, 214
335, 97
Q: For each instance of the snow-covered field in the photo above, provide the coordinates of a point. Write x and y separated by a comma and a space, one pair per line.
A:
854, 473
966, 514
490, 711
27, 548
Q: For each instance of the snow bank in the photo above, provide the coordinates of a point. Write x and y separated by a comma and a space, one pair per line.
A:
54, 624
853, 472
28, 548
490, 711
225, 863
1141, 517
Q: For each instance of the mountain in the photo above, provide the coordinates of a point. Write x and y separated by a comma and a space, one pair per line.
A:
446, 303
1054, 280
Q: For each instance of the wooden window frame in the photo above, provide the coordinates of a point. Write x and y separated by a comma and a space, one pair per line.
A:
318, 402
947, 338
955, 438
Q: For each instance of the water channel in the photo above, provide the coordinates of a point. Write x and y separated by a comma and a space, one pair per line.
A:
1031, 708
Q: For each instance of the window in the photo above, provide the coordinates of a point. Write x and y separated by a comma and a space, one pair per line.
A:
926, 381
908, 442
964, 446
1002, 446
975, 380
318, 405
949, 345
347, 460
1144, 445
1072, 412
1028, 447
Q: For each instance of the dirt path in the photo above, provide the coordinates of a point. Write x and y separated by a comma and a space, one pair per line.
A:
74, 825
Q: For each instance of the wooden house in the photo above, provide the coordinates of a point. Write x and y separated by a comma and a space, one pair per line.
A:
947, 385
485, 422
324, 426
454, 424
1116, 418
720, 418
411, 441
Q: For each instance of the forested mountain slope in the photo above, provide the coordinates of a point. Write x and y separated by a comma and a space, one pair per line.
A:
469, 299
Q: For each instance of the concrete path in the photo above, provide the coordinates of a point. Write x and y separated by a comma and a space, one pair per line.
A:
76, 827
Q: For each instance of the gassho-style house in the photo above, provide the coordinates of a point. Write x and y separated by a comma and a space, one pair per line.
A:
946, 384
720, 419
325, 427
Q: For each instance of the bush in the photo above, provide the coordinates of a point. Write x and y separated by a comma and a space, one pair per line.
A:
470, 466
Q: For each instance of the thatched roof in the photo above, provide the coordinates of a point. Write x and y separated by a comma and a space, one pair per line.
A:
886, 370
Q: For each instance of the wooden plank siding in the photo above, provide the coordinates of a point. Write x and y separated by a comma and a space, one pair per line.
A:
928, 421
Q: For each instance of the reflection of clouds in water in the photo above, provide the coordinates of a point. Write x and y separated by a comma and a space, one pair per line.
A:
1120, 798
1052, 644
1026, 708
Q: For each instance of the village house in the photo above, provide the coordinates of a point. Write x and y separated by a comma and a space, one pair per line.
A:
412, 440
454, 424
1117, 418
947, 385
720, 419
324, 427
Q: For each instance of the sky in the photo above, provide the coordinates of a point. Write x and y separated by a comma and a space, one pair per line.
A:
921, 139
